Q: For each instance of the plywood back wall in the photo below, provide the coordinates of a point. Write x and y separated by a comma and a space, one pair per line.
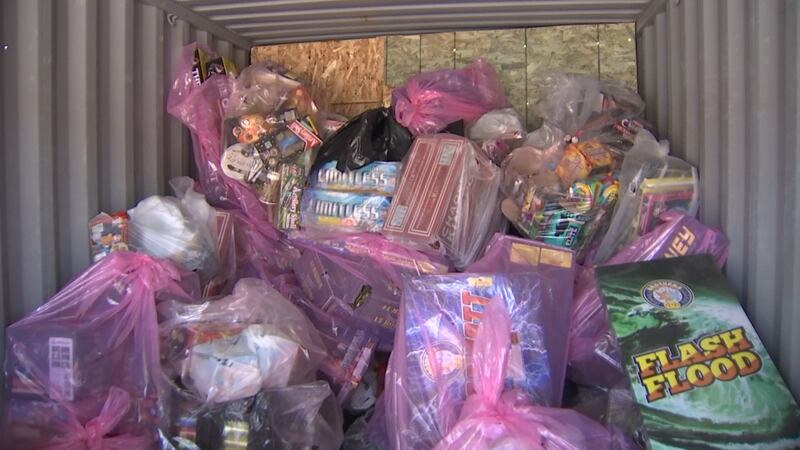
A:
350, 76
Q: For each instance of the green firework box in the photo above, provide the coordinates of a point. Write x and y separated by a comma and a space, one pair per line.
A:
699, 371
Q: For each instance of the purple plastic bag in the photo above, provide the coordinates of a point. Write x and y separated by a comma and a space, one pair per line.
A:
358, 278
430, 101
83, 369
430, 376
594, 357
510, 254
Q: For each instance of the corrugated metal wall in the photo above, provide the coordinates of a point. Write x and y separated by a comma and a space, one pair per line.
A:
84, 84
720, 78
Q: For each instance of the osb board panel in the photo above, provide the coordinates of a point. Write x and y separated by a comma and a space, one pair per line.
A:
514, 81
437, 51
571, 48
351, 76
351, 110
402, 58
346, 71
505, 50
618, 53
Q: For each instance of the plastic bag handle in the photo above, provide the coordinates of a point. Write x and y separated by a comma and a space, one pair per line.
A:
92, 436
490, 353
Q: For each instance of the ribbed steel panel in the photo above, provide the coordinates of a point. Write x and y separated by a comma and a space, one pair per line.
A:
280, 21
720, 81
84, 129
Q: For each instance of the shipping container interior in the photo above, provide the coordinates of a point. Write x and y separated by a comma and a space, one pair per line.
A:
84, 128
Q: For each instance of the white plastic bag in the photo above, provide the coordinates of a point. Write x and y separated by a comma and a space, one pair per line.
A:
498, 132
181, 229
240, 365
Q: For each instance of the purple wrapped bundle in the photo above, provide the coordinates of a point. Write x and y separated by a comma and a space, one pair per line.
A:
429, 377
593, 354
349, 348
357, 279
509, 254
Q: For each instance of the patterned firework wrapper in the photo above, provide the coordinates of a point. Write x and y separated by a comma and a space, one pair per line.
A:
292, 179
431, 373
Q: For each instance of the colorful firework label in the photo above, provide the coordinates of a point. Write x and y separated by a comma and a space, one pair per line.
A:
697, 367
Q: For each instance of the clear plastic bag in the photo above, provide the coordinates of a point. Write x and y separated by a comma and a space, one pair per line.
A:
561, 185
594, 357
494, 417
615, 408
233, 347
270, 137
430, 101
181, 229
453, 209
221, 283
571, 101
83, 368
430, 372
498, 132
290, 418
566, 205
567, 101
652, 182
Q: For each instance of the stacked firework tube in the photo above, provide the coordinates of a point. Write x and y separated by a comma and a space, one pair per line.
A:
566, 206
270, 138
356, 200
446, 200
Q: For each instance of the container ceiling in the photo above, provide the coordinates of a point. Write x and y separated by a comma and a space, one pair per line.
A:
281, 21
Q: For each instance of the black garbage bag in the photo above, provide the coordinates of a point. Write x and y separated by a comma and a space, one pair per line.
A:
371, 136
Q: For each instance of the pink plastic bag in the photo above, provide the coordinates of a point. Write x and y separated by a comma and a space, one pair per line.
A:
430, 101
430, 373
201, 109
498, 419
83, 369
594, 358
